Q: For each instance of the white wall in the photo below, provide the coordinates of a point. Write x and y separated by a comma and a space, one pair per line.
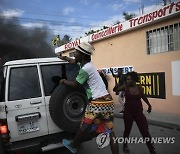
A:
175, 78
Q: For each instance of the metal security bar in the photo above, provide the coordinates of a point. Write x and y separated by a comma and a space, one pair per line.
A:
163, 39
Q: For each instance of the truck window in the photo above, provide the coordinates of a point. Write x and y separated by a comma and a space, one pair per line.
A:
72, 71
51, 75
24, 83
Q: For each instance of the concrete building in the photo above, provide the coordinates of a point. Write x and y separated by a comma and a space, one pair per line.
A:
148, 44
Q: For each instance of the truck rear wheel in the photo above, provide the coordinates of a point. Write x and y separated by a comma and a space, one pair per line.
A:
67, 106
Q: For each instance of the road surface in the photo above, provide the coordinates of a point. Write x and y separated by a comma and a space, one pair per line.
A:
159, 133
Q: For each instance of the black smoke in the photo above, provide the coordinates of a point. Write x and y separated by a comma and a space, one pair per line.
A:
18, 42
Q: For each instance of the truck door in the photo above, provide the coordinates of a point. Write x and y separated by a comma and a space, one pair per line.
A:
51, 75
26, 114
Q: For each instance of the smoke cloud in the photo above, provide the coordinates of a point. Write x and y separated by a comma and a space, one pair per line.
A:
18, 42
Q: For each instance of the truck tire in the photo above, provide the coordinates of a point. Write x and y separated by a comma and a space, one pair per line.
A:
67, 106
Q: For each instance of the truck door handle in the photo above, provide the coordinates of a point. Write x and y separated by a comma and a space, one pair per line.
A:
38, 102
26, 117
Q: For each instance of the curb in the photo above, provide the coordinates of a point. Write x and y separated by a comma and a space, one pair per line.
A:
156, 123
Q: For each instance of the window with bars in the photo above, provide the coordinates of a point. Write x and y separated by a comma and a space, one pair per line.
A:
163, 39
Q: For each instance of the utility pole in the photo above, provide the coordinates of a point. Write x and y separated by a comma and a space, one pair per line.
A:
166, 2
141, 9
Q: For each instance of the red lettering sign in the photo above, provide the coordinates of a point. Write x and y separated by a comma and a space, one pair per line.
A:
109, 31
177, 6
72, 44
153, 15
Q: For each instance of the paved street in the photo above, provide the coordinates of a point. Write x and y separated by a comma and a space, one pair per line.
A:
90, 147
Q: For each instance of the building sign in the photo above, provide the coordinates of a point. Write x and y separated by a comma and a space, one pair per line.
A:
167, 10
125, 69
153, 84
72, 44
163, 12
107, 32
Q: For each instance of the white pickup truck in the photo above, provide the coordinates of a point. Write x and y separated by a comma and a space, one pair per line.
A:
35, 111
